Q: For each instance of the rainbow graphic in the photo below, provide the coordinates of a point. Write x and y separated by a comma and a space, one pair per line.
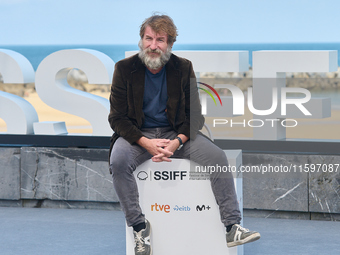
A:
209, 93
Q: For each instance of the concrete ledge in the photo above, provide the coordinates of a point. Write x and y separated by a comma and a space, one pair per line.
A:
46, 203
56, 204
291, 215
67, 174
276, 214
299, 189
79, 178
10, 173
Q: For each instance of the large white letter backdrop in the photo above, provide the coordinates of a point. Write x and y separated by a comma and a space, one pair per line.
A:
269, 69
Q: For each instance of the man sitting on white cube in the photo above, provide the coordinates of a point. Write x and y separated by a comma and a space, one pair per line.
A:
155, 113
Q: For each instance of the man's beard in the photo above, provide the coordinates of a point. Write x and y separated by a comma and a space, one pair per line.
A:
154, 63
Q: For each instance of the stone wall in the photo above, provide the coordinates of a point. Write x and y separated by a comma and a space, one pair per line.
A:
316, 192
79, 178
63, 177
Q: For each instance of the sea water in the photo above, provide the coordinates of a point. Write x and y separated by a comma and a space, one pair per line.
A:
36, 53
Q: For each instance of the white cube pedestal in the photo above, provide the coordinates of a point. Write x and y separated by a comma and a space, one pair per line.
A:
182, 210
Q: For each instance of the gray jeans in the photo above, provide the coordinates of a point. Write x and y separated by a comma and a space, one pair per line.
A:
126, 157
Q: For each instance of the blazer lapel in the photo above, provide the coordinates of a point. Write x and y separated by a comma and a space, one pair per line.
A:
137, 88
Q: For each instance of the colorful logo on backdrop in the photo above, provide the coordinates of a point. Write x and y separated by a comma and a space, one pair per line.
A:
209, 93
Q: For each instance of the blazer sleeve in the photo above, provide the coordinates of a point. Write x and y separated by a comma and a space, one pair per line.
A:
119, 120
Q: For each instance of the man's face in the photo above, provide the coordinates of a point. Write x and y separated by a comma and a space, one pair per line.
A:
154, 41
155, 50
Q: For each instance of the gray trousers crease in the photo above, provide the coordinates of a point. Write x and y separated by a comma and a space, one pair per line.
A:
125, 158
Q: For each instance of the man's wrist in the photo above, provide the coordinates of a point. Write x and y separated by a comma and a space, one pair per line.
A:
180, 142
184, 138
141, 141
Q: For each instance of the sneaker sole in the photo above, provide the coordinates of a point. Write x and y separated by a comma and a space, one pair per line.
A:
249, 239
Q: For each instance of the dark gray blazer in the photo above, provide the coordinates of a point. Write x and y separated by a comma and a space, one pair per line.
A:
126, 100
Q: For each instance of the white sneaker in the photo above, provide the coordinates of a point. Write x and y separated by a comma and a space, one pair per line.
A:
239, 235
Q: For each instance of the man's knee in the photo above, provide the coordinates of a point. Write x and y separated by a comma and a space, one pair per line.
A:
118, 162
219, 156
213, 152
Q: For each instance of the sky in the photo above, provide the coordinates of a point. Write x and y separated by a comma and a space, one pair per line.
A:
68, 22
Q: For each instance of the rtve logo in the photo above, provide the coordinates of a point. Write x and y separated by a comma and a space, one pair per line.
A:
160, 208
169, 175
